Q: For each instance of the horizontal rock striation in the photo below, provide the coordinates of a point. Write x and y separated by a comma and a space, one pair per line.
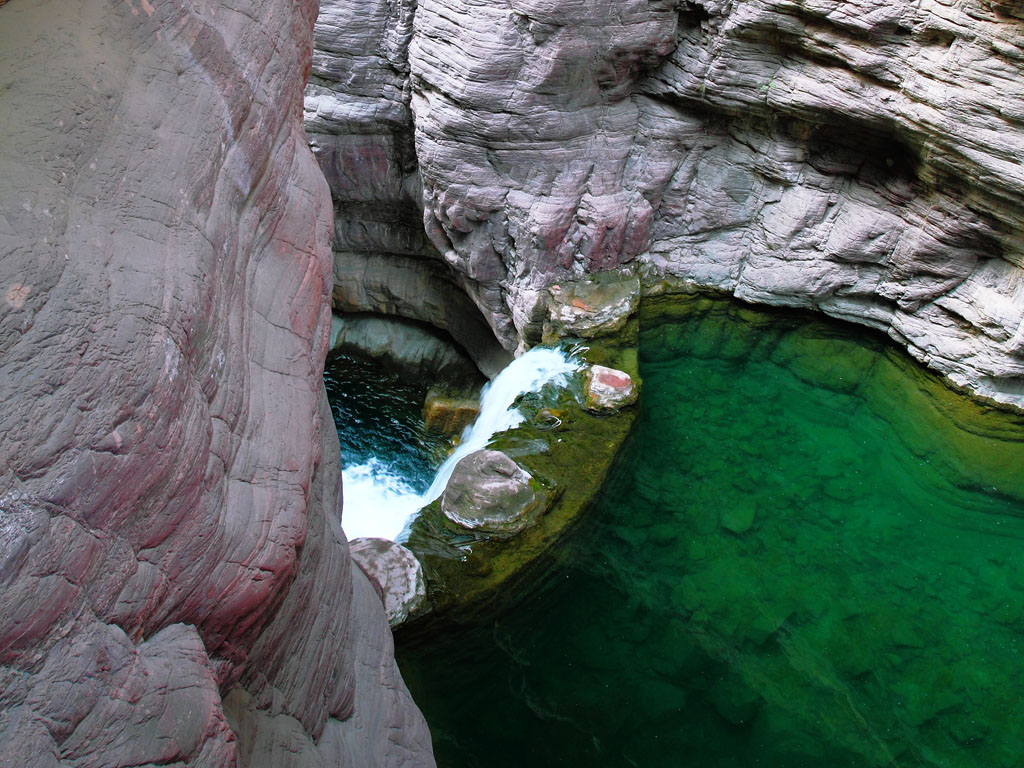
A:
359, 122
861, 159
170, 481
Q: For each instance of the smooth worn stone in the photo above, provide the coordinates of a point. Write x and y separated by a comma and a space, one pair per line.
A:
413, 349
608, 389
739, 518
396, 572
169, 473
490, 493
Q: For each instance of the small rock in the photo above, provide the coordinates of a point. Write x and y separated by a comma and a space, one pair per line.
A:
608, 389
489, 492
739, 519
449, 415
397, 574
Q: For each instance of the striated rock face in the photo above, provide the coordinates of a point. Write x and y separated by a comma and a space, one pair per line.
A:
170, 482
857, 158
360, 129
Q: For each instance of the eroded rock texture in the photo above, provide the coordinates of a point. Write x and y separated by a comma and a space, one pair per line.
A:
860, 158
170, 482
360, 128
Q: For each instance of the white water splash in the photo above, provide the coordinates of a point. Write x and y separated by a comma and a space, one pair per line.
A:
380, 503
525, 374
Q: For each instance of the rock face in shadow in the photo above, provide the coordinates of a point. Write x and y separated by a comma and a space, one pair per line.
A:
170, 480
859, 159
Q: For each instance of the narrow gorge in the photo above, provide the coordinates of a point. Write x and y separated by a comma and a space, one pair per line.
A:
717, 309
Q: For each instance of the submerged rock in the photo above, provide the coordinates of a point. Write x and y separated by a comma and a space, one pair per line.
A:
396, 573
490, 493
739, 518
608, 389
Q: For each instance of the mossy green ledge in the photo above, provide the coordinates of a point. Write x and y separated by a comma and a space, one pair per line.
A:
568, 450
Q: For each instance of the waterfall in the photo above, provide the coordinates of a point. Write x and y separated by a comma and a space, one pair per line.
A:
378, 502
524, 374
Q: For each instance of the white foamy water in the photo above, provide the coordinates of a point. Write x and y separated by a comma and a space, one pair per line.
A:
377, 501
525, 374
380, 503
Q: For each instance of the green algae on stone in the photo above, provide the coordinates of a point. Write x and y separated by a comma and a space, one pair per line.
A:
467, 573
867, 614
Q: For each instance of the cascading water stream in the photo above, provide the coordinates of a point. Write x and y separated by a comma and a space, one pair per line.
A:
379, 502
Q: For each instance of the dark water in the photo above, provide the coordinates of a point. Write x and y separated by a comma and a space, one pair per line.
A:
379, 416
809, 554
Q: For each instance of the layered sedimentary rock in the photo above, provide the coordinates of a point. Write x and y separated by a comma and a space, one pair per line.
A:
169, 534
857, 158
360, 128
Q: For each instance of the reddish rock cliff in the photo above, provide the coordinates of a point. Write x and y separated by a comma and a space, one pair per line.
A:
174, 586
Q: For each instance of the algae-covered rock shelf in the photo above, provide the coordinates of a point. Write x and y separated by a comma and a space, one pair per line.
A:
501, 510
807, 555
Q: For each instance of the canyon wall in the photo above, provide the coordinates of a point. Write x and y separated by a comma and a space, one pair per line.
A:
174, 585
857, 158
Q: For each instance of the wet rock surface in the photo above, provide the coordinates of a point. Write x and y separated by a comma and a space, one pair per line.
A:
490, 493
861, 160
169, 536
449, 414
594, 306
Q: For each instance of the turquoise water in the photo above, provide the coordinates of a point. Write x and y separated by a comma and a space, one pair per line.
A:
379, 416
809, 554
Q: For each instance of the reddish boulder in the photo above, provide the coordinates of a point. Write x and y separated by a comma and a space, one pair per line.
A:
608, 389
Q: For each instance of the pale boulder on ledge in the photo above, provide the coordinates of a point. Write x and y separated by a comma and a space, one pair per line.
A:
490, 493
608, 389
396, 573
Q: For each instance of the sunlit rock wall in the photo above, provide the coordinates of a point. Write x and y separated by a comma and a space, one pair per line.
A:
859, 158
174, 586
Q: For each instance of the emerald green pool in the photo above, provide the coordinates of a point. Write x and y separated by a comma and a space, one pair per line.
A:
809, 554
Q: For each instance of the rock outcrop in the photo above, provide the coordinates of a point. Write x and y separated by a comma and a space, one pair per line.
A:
861, 159
410, 348
174, 585
360, 129
395, 572
488, 492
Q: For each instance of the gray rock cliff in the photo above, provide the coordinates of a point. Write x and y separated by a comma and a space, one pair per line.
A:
174, 585
857, 158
